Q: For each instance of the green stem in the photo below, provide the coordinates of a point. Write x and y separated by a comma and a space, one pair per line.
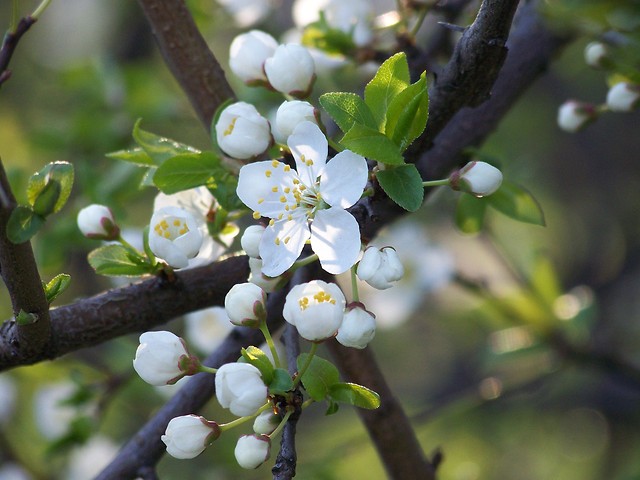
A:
312, 352
436, 183
335, 145
41, 8
354, 285
421, 16
281, 425
128, 245
13, 25
207, 369
307, 403
239, 421
367, 193
272, 346
303, 262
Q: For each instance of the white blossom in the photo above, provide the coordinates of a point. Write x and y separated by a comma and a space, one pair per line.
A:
252, 450
247, 54
596, 54
250, 240
175, 236
354, 16
291, 70
291, 113
623, 97
358, 328
96, 221
268, 284
242, 132
380, 268
479, 178
88, 460
266, 422
574, 116
316, 309
187, 436
245, 304
51, 413
206, 329
247, 12
306, 204
240, 388
160, 358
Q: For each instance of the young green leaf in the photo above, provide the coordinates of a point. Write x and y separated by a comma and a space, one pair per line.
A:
159, 148
372, 144
355, 395
391, 78
186, 171
135, 155
56, 286
46, 200
319, 377
470, 213
348, 109
259, 359
23, 224
281, 382
116, 260
403, 185
408, 113
60, 172
516, 202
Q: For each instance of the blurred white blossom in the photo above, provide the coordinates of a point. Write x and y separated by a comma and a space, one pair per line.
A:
89, 459
206, 329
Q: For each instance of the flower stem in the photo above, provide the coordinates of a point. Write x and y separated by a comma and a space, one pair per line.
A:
241, 420
421, 16
205, 369
436, 183
312, 352
14, 17
128, 245
283, 422
307, 403
272, 346
303, 262
354, 285
41, 8
335, 145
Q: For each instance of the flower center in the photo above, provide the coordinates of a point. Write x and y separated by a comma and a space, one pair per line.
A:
316, 299
171, 227
230, 128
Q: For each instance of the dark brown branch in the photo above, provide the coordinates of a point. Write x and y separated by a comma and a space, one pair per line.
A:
20, 274
188, 57
9, 45
145, 448
136, 308
388, 426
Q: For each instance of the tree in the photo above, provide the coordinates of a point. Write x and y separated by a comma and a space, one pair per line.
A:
484, 73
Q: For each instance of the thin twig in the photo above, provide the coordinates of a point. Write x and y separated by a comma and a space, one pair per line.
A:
9, 45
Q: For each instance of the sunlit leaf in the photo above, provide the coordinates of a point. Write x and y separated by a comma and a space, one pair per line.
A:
348, 109
355, 395
372, 144
391, 78
407, 115
116, 260
186, 171
403, 185
56, 286
159, 148
54, 199
319, 377
259, 359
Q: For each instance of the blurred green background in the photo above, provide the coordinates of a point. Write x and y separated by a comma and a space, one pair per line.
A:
507, 348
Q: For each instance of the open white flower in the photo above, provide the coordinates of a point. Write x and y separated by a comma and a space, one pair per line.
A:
307, 203
174, 236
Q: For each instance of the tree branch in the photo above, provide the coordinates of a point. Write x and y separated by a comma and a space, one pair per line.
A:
188, 57
20, 274
9, 45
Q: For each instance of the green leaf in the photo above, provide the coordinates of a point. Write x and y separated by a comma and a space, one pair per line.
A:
60, 172
259, 359
224, 190
159, 148
23, 224
46, 200
323, 36
332, 408
135, 155
408, 113
348, 109
544, 278
186, 171
281, 383
319, 377
391, 78
56, 286
516, 202
355, 395
470, 213
372, 144
117, 260
403, 185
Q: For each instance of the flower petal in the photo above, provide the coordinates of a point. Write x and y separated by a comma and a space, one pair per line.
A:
261, 187
335, 238
344, 179
282, 244
309, 148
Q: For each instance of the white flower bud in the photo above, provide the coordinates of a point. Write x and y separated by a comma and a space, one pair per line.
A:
252, 450
247, 55
250, 240
574, 116
174, 236
97, 222
596, 54
268, 284
266, 422
478, 178
242, 132
240, 388
380, 267
162, 359
187, 436
246, 305
358, 327
290, 114
623, 97
247, 12
291, 70
316, 309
